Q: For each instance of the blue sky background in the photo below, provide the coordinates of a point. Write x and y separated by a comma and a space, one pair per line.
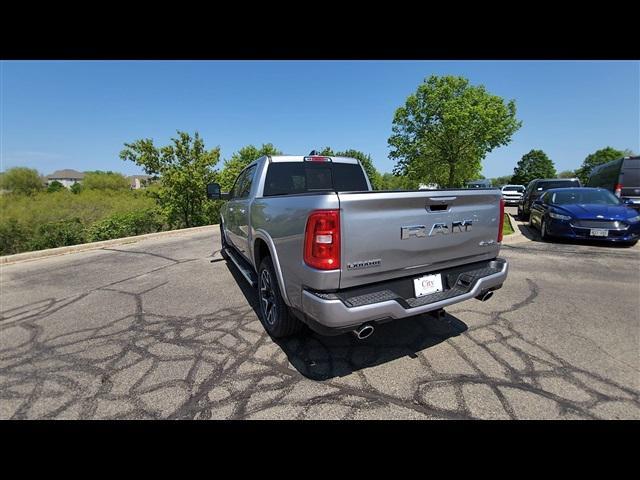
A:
78, 114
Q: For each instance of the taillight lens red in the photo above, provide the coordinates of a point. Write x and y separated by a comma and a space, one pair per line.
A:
618, 190
501, 221
322, 240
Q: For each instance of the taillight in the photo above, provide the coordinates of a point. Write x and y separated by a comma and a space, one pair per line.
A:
322, 240
501, 220
618, 190
316, 158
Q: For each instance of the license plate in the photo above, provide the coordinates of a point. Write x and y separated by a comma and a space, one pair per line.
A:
427, 285
599, 232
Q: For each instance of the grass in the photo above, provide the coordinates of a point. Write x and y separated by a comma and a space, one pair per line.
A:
507, 229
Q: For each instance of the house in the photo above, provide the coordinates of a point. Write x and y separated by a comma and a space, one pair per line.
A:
139, 181
66, 177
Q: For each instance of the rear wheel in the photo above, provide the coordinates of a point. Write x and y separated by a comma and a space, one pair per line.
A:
275, 315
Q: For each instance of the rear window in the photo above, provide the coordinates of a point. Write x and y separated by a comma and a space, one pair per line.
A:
513, 189
286, 178
557, 184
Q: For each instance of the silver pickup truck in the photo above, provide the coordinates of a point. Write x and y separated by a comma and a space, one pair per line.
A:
323, 248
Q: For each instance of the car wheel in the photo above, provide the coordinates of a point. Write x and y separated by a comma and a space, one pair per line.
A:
275, 315
544, 235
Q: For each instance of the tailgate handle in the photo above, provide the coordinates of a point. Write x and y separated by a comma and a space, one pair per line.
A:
441, 199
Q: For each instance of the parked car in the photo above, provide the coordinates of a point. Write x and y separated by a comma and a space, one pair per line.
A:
482, 183
512, 194
536, 187
585, 213
621, 177
323, 249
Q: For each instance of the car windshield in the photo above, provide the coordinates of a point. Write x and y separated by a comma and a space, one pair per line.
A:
584, 196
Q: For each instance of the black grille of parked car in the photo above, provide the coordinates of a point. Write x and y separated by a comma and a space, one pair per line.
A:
599, 224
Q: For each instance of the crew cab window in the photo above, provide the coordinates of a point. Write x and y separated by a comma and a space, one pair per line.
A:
286, 178
242, 187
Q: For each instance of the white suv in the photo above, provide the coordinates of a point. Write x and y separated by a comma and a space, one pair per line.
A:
512, 194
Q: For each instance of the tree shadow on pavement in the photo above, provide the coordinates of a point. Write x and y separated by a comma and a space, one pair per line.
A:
321, 357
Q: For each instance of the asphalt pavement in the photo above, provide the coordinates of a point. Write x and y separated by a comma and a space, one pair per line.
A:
156, 330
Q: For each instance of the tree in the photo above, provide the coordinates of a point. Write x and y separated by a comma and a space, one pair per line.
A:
239, 160
535, 164
55, 186
389, 181
500, 181
567, 174
185, 168
99, 180
76, 187
446, 128
598, 157
21, 180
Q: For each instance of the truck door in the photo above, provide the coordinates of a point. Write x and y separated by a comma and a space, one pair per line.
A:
241, 211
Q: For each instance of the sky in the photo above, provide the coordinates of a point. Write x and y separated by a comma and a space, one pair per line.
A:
79, 114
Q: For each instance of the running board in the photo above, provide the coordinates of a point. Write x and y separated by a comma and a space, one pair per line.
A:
243, 266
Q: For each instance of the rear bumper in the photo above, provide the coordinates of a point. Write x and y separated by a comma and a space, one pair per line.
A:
330, 314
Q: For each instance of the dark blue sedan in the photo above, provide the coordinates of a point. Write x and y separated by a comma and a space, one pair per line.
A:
585, 214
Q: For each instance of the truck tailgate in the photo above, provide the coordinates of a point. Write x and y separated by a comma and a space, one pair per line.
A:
395, 234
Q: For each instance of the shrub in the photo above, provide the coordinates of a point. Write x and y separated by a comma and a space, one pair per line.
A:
58, 234
14, 238
55, 186
126, 225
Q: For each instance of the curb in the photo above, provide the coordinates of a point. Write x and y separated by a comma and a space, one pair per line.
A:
51, 252
516, 236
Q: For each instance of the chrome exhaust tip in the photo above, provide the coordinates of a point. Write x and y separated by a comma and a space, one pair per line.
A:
364, 331
483, 297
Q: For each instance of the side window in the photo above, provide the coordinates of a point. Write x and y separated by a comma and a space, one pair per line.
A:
235, 191
247, 181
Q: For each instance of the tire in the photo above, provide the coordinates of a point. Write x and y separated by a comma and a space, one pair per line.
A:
543, 230
274, 313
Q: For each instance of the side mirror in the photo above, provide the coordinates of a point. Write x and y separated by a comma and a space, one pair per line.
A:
628, 201
213, 191
537, 201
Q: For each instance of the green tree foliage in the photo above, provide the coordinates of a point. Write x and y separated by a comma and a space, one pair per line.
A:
446, 128
389, 181
598, 157
99, 180
55, 186
239, 160
21, 180
500, 181
535, 164
76, 187
185, 168
567, 174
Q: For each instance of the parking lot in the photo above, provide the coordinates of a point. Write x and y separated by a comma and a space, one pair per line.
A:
154, 329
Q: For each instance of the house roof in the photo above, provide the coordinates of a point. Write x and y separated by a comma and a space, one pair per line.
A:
66, 173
